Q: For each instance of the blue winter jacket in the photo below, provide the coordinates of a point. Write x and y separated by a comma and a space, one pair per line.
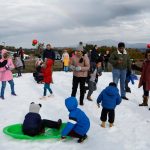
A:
32, 121
109, 97
78, 121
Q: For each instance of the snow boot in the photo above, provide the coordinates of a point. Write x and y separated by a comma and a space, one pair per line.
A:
145, 101
82, 139
59, 123
89, 98
111, 125
103, 124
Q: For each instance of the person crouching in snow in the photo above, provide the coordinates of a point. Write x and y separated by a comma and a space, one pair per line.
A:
109, 98
6, 74
78, 124
33, 124
47, 74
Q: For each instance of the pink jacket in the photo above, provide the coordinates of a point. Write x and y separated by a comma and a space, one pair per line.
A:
6, 74
85, 66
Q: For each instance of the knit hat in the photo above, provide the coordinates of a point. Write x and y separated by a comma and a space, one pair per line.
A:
34, 108
121, 44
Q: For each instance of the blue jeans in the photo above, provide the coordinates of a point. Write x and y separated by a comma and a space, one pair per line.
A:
66, 68
120, 74
47, 87
11, 82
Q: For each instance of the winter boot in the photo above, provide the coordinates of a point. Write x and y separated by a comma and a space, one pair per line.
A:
59, 123
89, 98
145, 101
111, 125
82, 139
103, 124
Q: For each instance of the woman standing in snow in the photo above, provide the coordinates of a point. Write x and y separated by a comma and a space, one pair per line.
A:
6, 74
145, 78
80, 66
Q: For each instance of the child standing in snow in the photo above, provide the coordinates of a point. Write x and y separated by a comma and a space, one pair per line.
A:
65, 60
78, 124
47, 74
6, 74
33, 124
95, 72
18, 64
110, 98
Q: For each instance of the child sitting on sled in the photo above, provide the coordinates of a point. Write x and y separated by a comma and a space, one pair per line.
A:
78, 124
33, 124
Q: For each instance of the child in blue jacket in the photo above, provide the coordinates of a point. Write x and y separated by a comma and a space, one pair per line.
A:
109, 98
78, 123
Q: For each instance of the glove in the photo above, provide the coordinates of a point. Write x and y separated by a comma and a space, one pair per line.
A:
78, 68
72, 67
98, 105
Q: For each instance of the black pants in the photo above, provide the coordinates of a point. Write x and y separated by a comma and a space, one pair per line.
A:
111, 115
72, 133
76, 81
41, 127
19, 69
146, 93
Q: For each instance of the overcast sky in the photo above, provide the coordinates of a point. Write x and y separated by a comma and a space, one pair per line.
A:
66, 22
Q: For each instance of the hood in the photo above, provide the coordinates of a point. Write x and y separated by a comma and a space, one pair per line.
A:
111, 90
71, 103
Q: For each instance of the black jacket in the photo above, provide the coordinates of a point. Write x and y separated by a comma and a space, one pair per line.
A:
49, 54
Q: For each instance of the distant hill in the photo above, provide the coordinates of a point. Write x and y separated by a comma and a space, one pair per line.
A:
110, 43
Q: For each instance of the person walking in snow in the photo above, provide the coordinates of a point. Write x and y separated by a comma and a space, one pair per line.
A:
145, 78
6, 74
78, 124
94, 73
109, 98
47, 74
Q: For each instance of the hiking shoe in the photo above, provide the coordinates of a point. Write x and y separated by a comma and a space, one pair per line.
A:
82, 139
125, 98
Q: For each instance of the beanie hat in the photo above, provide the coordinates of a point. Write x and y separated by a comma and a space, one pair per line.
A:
121, 44
34, 108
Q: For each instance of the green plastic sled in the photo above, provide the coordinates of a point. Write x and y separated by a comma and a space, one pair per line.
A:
15, 131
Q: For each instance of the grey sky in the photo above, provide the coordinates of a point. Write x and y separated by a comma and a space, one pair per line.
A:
66, 22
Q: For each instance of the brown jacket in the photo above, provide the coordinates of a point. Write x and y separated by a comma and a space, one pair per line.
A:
145, 75
85, 66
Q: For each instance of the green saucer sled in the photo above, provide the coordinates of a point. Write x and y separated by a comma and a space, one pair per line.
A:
15, 131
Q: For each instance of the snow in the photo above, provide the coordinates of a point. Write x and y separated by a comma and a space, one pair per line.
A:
131, 130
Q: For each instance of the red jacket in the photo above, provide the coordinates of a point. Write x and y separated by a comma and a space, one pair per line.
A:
47, 71
145, 75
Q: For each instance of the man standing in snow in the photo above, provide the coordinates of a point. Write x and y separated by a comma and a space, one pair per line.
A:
121, 62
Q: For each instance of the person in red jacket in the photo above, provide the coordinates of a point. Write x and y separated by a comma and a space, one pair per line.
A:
47, 74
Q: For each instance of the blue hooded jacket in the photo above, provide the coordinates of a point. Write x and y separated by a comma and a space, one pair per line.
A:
78, 121
109, 97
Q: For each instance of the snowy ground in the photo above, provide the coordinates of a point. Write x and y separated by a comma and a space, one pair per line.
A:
132, 123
